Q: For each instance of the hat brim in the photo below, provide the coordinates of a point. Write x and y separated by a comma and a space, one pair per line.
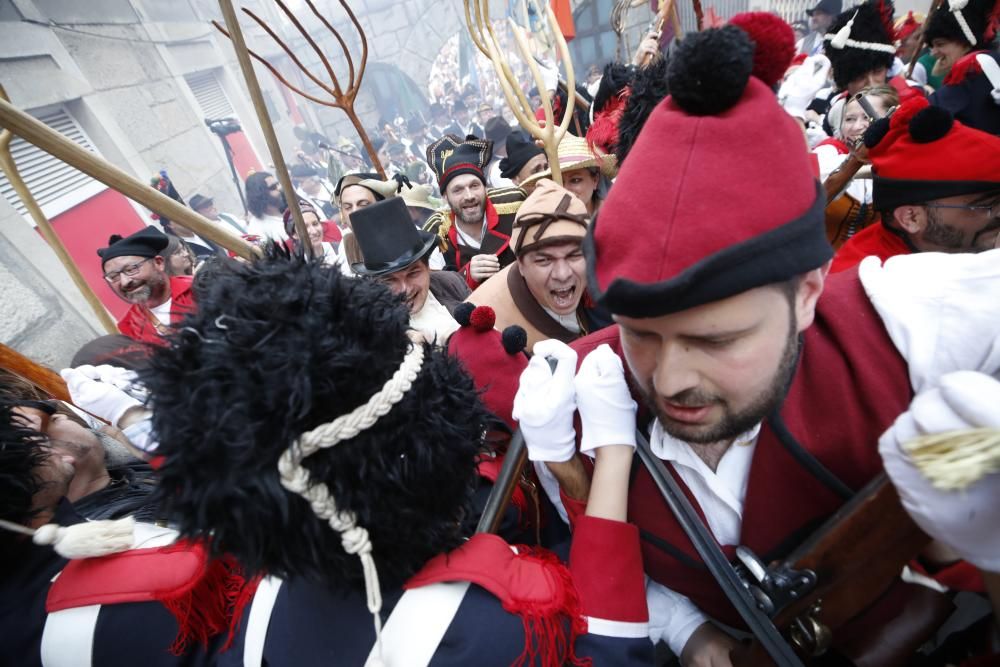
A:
606, 163
430, 240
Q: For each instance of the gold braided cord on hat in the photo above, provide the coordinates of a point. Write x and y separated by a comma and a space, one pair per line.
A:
296, 478
955, 460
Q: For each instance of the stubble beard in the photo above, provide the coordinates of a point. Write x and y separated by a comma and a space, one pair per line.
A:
732, 424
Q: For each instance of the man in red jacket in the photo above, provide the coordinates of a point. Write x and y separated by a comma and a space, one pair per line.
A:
136, 271
768, 382
936, 184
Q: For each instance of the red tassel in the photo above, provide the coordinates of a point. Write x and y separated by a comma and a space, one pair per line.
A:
208, 608
550, 630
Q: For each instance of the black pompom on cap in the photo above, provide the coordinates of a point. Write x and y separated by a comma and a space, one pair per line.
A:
930, 124
114, 238
463, 312
514, 339
876, 132
709, 70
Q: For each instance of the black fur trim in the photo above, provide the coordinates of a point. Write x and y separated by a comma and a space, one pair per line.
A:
794, 248
649, 87
888, 193
616, 77
278, 348
852, 63
930, 124
709, 70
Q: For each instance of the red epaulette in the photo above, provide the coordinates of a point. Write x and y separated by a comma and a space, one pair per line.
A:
963, 68
531, 583
205, 595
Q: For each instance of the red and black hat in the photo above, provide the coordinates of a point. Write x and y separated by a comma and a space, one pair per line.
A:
450, 157
972, 22
737, 206
922, 153
861, 40
494, 359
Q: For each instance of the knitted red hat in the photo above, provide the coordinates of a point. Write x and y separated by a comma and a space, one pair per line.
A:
922, 153
494, 360
717, 196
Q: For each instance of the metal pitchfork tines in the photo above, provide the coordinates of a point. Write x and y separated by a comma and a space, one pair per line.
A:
341, 97
477, 17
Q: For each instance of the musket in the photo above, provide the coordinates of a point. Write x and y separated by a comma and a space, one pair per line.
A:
854, 557
40, 376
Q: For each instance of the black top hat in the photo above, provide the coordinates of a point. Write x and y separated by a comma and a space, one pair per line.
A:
451, 157
520, 149
198, 202
147, 242
831, 7
388, 239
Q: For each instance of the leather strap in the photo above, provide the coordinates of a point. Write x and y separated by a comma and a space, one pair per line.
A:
258, 620
532, 311
68, 637
720, 567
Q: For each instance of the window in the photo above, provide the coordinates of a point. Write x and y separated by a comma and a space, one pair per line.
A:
55, 185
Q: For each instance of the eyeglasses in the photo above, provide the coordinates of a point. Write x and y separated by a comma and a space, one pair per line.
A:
992, 210
130, 270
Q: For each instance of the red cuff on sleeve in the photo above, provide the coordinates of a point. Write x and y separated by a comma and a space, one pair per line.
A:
574, 508
607, 570
466, 271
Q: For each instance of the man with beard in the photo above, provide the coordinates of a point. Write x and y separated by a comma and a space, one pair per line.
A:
397, 254
135, 270
936, 183
266, 203
475, 233
544, 291
766, 383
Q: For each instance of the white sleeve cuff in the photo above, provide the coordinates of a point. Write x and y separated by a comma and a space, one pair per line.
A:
140, 434
672, 616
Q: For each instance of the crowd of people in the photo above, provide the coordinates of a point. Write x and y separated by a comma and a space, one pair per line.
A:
771, 261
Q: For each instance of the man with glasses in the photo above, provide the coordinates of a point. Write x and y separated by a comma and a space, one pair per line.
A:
135, 269
936, 184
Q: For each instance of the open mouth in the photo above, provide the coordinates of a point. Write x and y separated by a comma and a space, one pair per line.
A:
564, 298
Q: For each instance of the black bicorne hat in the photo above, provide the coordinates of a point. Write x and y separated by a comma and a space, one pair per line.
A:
147, 242
388, 239
451, 157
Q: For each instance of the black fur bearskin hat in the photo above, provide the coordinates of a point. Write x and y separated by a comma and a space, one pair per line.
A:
276, 349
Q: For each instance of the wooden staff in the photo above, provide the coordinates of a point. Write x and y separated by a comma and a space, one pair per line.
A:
9, 167
485, 39
253, 87
935, 6
341, 97
38, 133
34, 373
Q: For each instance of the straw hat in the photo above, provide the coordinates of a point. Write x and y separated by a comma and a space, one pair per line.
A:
419, 196
575, 153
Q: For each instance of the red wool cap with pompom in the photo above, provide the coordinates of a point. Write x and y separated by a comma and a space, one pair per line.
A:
717, 196
928, 155
491, 358
774, 44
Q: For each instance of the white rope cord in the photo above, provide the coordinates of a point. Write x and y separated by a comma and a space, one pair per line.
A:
295, 477
842, 39
956, 7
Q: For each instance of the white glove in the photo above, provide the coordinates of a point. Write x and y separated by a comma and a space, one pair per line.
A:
607, 410
97, 396
801, 86
545, 403
965, 520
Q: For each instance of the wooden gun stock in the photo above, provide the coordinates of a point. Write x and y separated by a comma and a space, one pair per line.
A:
40, 376
857, 555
